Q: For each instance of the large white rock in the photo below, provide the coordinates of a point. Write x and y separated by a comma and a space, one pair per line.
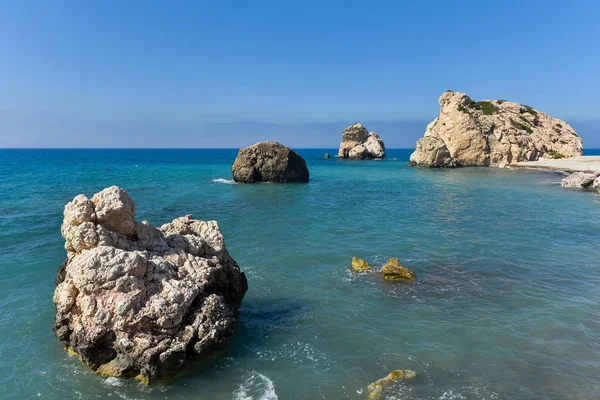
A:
492, 133
357, 143
579, 180
134, 300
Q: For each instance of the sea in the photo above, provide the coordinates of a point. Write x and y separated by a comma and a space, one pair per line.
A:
506, 304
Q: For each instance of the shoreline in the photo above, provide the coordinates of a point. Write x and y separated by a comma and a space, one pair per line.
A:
586, 164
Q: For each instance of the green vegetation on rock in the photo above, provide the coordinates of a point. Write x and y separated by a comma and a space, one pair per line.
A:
557, 155
487, 107
530, 110
519, 125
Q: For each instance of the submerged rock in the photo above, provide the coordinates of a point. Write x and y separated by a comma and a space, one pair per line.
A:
376, 388
358, 143
492, 133
580, 180
359, 264
134, 300
394, 271
269, 162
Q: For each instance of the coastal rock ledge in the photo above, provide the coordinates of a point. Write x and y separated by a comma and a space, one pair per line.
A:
134, 300
269, 162
492, 133
359, 144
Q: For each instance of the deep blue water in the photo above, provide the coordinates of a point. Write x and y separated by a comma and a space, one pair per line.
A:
506, 306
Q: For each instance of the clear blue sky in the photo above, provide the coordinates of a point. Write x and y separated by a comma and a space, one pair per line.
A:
223, 73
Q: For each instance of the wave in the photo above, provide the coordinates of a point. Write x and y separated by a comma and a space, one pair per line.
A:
225, 181
256, 387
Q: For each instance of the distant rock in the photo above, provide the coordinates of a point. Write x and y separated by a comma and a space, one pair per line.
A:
134, 300
269, 162
394, 271
376, 388
359, 265
492, 133
327, 156
581, 180
359, 144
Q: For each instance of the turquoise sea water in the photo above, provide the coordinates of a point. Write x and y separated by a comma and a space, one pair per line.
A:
506, 306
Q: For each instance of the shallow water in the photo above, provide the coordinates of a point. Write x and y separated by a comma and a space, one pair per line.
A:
506, 306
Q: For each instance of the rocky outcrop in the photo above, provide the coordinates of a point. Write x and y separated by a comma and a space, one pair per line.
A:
582, 180
269, 162
492, 133
359, 265
376, 388
394, 271
359, 144
327, 156
134, 300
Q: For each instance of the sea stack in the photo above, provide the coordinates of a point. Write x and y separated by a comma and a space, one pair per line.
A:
269, 162
134, 300
492, 133
359, 144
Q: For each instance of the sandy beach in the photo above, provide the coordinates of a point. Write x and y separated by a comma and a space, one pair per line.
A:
582, 163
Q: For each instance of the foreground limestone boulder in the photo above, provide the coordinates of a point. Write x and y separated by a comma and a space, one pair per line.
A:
394, 271
134, 300
359, 265
376, 388
269, 162
358, 144
492, 133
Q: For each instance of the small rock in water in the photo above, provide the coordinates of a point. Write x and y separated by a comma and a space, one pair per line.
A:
394, 271
269, 162
579, 179
359, 264
376, 388
327, 156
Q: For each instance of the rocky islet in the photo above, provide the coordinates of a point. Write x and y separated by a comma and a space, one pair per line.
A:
492, 133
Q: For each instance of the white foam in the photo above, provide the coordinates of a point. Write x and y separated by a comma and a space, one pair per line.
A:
256, 387
112, 381
225, 181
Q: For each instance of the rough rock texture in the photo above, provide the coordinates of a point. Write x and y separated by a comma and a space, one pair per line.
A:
269, 162
578, 180
394, 271
360, 265
582, 180
134, 300
492, 133
375, 389
358, 144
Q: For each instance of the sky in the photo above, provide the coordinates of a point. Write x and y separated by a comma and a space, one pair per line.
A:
230, 73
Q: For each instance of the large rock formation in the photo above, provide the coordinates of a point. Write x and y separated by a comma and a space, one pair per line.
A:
358, 143
269, 162
492, 133
134, 300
